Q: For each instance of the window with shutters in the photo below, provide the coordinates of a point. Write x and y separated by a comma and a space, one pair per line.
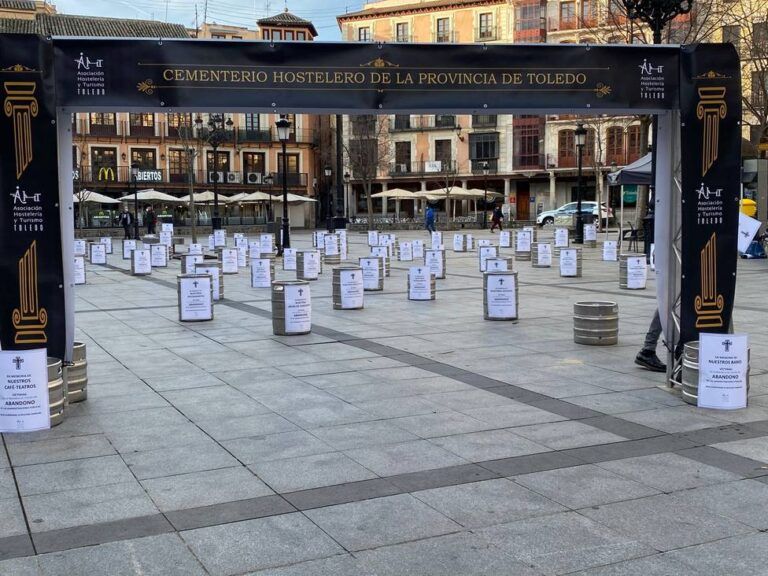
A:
614, 145
566, 149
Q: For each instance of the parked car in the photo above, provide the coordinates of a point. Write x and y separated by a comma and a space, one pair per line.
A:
587, 207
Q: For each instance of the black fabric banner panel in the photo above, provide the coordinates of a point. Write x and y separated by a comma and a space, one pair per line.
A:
710, 87
345, 77
31, 289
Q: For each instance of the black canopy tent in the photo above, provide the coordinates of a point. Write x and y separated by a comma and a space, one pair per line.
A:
638, 172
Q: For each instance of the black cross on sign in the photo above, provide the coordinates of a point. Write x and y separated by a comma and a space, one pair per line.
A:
195, 283
18, 361
727, 345
301, 291
501, 281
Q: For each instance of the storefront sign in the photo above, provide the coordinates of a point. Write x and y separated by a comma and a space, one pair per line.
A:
24, 391
723, 371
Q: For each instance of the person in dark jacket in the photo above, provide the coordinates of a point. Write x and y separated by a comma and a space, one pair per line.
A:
151, 218
496, 218
126, 220
429, 219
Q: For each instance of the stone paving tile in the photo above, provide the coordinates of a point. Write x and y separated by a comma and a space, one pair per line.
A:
745, 501
397, 407
614, 402
656, 565
440, 424
59, 449
488, 445
29, 566
404, 458
327, 414
665, 523
156, 437
671, 420
562, 543
381, 521
309, 472
564, 435
195, 457
668, 472
276, 447
754, 448
204, 488
363, 434
341, 565
7, 484
581, 486
12, 518
182, 382
259, 544
71, 475
84, 506
487, 503
738, 556
231, 428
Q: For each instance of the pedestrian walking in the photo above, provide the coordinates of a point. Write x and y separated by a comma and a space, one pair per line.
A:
496, 219
647, 357
126, 220
151, 219
429, 219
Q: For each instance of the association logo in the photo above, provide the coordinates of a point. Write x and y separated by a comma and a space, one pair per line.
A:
652, 83
90, 78
710, 206
27, 212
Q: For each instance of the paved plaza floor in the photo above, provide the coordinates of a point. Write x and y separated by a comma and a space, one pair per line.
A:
408, 438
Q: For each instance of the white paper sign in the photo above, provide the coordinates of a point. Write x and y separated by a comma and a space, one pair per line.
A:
213, 272
590, 232
486, 252
24, 400
610, 251
79, 247
229, 260
437, 240
433, 259
141, 262
370, 268
219, 238
406, 252
79, 270
107, 241
238, 236
418, 248
191, 261
242, 256
373, 238
241, 242
289, 258
637, 273
497, 265
523, 241
343, 246
319, 239
471, 242
544, 254
653, 257
504, 239
458, 243
159, 255
311, 265
420, 283
195, 249
561, 238
569, 264
298, 309
261, 273
166, 227
748, 227
723, 371
530, 229
211, 242
98, 254
128, 247
266, 243
254, 250
500, 295
483, 242
195, 299
351, 286
166, 237
331, 244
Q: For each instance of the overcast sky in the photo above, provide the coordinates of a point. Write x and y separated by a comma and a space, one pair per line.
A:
322, 13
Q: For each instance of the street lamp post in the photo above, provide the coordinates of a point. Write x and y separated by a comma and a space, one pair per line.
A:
347, 178
485, 195
328, 171
283, 133
270, 214
134, 181
580, 135
216, 136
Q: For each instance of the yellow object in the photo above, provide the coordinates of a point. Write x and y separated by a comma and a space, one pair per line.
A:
748, 207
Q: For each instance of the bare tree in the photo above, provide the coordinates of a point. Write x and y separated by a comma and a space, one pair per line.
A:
369, 150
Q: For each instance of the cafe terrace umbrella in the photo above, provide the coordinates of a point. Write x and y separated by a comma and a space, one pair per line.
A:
151, 195
88, 196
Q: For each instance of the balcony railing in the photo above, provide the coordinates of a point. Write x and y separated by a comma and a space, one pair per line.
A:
423, 168
484, 120
529, 161
418, 123
478, 165
487, 33
446, 37
96, 176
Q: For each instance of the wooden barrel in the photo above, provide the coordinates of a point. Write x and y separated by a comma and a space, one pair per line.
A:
623, 284
431, 286
350, 295
308, 273
570, 262
76, 375
373, 273
541, 255
57, 391
297, 319
500, 296
596, 323
690, 373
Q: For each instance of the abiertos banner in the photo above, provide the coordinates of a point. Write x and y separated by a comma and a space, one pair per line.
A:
32, 285
710, 90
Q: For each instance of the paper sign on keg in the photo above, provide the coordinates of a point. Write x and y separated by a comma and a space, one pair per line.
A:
637, 273
195, 249
266, 243
406, 252
418, 248
501, 296
238, 236
437, 240
331, 244
383, 253
419, 283
351, 286
211, 242
504, 239
530, 229
370, 268
471, 242
311, 265
458, 242
544, 254
261, 273
98, 254
373, 238
653, 257
723, 371
166, 238
610, 251
561, 237
241, 241
483, 242
343, 246
159, 255
242, 256
748, 228
298, 309
569, 264
254, 250
486, 252
213, 272
523, 241
289, 258
24, 400
166, 227
219, 238
229, 260
107, 241
497, 265
79, 247
590, 232
128, 247
79, 270
195, 298
433, 259
141, 265
190, 261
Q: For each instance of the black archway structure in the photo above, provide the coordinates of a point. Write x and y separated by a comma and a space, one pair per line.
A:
695, 91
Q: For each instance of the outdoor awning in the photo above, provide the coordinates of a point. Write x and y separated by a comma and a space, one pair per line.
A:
639, 172
450, 192
477, 193
254, 197
151, 195
396, 194
90, 197
293, 198
204, 197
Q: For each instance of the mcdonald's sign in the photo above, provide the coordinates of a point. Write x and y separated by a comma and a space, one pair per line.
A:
106, 173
